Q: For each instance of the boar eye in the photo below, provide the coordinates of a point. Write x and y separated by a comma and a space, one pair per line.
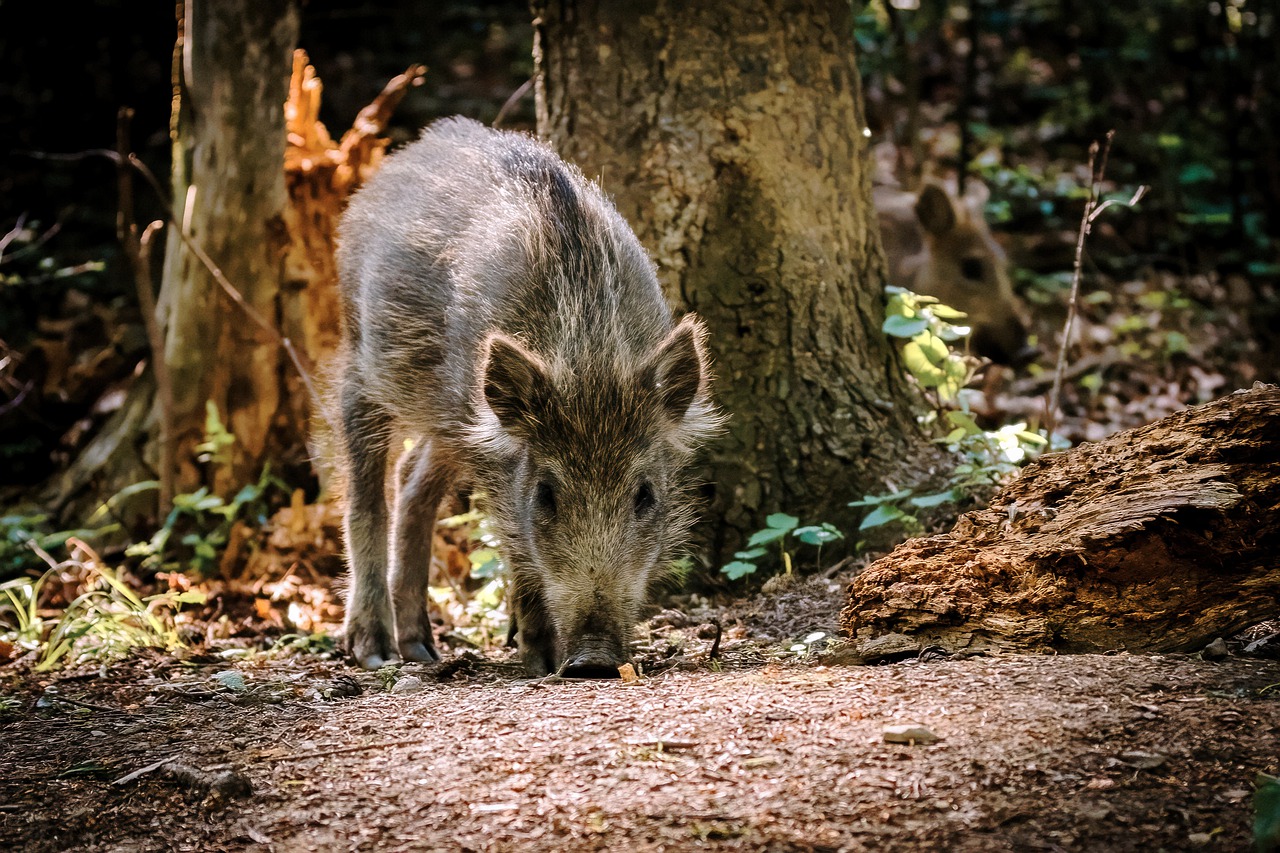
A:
544, 498
971, 268
645, 499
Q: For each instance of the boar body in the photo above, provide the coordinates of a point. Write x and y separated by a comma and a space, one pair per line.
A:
941, 246
500, 314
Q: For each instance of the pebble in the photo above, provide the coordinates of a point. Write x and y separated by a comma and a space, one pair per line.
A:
918, 735
408, 684
1143, 760
1217, 650
231, 680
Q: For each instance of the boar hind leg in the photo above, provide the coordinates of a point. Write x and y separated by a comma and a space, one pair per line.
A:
534, 633
368, 624
423, 480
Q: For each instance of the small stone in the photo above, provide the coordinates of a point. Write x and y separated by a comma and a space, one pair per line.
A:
915, 735
231, 680
1143, 760
408, 684
1217, 650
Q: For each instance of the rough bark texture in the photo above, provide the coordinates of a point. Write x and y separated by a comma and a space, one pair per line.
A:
229, 191
731, 137
1156, 539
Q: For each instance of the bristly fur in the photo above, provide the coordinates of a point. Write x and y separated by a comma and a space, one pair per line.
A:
500, 312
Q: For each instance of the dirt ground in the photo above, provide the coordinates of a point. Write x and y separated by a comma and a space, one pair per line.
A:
764, 747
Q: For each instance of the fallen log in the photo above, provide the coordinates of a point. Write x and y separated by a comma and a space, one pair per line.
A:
1159, 538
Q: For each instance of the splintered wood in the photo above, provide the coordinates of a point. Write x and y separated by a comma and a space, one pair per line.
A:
320, 175
1157, 539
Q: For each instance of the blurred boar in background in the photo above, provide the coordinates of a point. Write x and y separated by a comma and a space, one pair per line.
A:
500, 314
939, 245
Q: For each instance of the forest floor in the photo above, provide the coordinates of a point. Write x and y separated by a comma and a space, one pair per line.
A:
770, 745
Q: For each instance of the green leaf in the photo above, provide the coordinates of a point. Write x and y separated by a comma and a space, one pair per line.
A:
883, 514
965, 421
753, 554
920, 365
737, 569
764, 537
927, 501
899, 326
1266, 806
946, 312
1195, 173
876, 500
782, 521
815, 535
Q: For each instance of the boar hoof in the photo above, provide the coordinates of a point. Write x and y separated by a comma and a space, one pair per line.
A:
419, 652
370, 649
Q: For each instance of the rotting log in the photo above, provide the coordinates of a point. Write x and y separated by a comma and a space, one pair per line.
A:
1156, 539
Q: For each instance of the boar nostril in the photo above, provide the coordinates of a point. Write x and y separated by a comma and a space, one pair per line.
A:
591, 664
1025, 356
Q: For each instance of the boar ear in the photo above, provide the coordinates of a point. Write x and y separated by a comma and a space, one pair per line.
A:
934, 210
516, 384
677, 370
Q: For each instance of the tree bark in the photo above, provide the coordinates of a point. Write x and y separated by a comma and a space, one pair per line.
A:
229, 192
1160, 538
731, 137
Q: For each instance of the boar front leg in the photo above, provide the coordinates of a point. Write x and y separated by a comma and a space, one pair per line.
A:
368, 623
534, 632
424, 477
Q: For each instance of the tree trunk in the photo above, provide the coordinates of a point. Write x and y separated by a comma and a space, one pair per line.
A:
229, 192
731, 137
1160, 538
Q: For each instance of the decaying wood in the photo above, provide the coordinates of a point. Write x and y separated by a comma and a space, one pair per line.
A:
1156, 539
320, 175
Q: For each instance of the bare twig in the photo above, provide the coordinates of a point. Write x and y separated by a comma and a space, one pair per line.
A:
79, 703
138, 250
12, 234
715, 644
227, 287
1092, 209
143, 771
511, 101
342, 750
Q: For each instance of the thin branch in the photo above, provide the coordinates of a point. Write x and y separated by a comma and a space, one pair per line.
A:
511, 101
138, 250
1051, 415
342, 750
227, 287
12, 234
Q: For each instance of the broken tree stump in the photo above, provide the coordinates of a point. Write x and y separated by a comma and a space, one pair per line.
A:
1157, 539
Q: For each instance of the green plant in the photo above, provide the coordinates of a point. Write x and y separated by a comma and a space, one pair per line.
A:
926, 326
105, 621
218, 440
476, 610
988, 457
21, 604
1266, 806
777, 527
203, 521
19, 532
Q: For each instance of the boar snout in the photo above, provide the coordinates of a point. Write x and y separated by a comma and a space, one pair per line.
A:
594, 656
1004, 342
